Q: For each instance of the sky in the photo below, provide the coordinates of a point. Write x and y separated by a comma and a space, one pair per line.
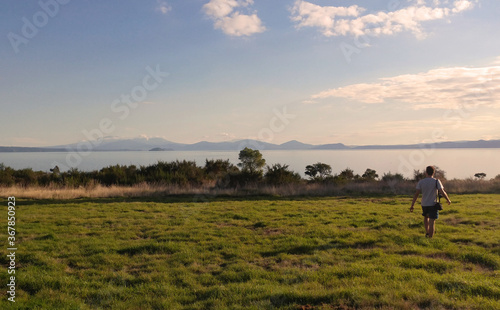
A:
319, 71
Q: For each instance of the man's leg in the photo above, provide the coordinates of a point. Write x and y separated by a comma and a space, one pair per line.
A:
432, 227
426, 225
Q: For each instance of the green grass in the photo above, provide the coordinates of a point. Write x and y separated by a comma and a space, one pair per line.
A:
268, 253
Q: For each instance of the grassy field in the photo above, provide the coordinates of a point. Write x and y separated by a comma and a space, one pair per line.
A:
267, 253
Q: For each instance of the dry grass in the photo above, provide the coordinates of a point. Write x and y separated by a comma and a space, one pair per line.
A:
472, 186
207, 191
97, 191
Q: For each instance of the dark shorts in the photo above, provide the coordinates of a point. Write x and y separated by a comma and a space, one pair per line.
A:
430, 212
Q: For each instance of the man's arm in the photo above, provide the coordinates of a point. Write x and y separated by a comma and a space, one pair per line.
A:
445, 195
417, 193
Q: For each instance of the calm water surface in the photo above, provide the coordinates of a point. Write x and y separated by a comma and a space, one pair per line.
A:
458, 163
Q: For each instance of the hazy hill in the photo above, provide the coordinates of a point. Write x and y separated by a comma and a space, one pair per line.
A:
295, 145
146, 144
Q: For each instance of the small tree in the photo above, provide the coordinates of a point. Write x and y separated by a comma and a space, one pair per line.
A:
347, 174
251, 164
480, 175
251, 161
418, 175
318, 171
439, 174
370, 175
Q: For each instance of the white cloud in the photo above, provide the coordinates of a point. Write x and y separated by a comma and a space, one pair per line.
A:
228, 17
239, 25
163, 7
307, 14
342, 21
445, 88
462, 5
220, 8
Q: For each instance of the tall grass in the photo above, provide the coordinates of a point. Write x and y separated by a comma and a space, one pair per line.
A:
99, 191
209, 189
217, 177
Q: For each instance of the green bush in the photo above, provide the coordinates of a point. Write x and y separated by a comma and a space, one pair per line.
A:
75, 178
6, 175
25, 177
279, 174
243, 178
216, 169
390, 177
180, 173
370, 175
119, 175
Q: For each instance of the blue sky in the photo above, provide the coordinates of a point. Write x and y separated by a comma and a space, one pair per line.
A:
319, 71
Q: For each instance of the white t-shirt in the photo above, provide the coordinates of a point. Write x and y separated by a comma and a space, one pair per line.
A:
429, 191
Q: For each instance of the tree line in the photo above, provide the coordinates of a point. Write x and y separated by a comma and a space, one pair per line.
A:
251, 170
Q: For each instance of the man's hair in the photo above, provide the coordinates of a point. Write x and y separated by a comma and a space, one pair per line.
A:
430, 170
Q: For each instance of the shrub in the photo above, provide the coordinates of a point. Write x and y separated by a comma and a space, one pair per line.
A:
6, 175
119, 175
389, 177
418, 175
215, 169
186, 172
279, 175
25, 177
180, 173
348, 175
370, 175
76, 178
243, 178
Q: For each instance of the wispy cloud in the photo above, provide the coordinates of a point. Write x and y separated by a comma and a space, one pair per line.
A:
445, 88
163, 7
495, 62
343, 21
436, 128
228, 17
227, 135
18, 141
450, 128
219, 137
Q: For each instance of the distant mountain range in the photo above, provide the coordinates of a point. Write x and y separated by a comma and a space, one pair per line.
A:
159, 144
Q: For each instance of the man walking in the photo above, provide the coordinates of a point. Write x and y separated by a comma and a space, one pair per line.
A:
429, 187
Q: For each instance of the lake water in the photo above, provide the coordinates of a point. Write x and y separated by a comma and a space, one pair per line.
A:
457, 163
